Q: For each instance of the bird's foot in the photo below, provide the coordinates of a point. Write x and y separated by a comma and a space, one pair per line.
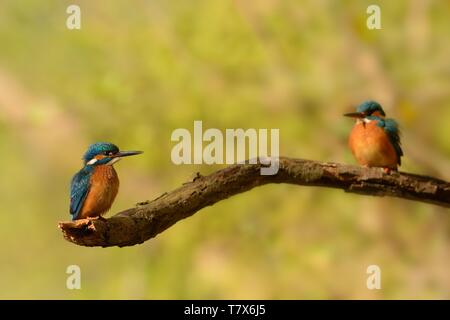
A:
389, 170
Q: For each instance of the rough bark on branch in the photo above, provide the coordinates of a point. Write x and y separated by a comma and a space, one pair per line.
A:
146, 220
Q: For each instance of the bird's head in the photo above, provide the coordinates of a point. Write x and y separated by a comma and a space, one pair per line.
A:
367, 109
102, 153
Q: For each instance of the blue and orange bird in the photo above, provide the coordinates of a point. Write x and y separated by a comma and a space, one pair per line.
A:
94, 188
375, 140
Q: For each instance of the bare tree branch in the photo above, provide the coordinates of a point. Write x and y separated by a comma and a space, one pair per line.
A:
146, 220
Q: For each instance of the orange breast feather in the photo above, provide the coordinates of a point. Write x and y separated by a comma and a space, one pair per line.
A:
371, 146
102, 192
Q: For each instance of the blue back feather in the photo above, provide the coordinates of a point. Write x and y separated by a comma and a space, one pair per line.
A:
79, 188
390, 126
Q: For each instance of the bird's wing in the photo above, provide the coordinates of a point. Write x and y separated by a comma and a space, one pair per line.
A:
79, 188
391, 128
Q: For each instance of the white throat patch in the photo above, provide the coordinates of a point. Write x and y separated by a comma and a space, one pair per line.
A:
363, 120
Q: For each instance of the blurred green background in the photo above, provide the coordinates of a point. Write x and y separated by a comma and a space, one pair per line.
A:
138, 70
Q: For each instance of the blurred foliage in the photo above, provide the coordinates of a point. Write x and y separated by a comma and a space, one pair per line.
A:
138, 70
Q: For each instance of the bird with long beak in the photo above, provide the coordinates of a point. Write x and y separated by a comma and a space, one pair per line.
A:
375, 140
94, 188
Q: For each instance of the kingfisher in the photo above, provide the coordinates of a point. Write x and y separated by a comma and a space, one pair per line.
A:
375, 140
94, 188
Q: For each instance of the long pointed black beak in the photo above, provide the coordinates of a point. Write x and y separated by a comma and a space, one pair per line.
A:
358, 115
122, 154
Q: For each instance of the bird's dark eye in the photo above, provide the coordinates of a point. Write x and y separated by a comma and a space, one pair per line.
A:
108, 153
